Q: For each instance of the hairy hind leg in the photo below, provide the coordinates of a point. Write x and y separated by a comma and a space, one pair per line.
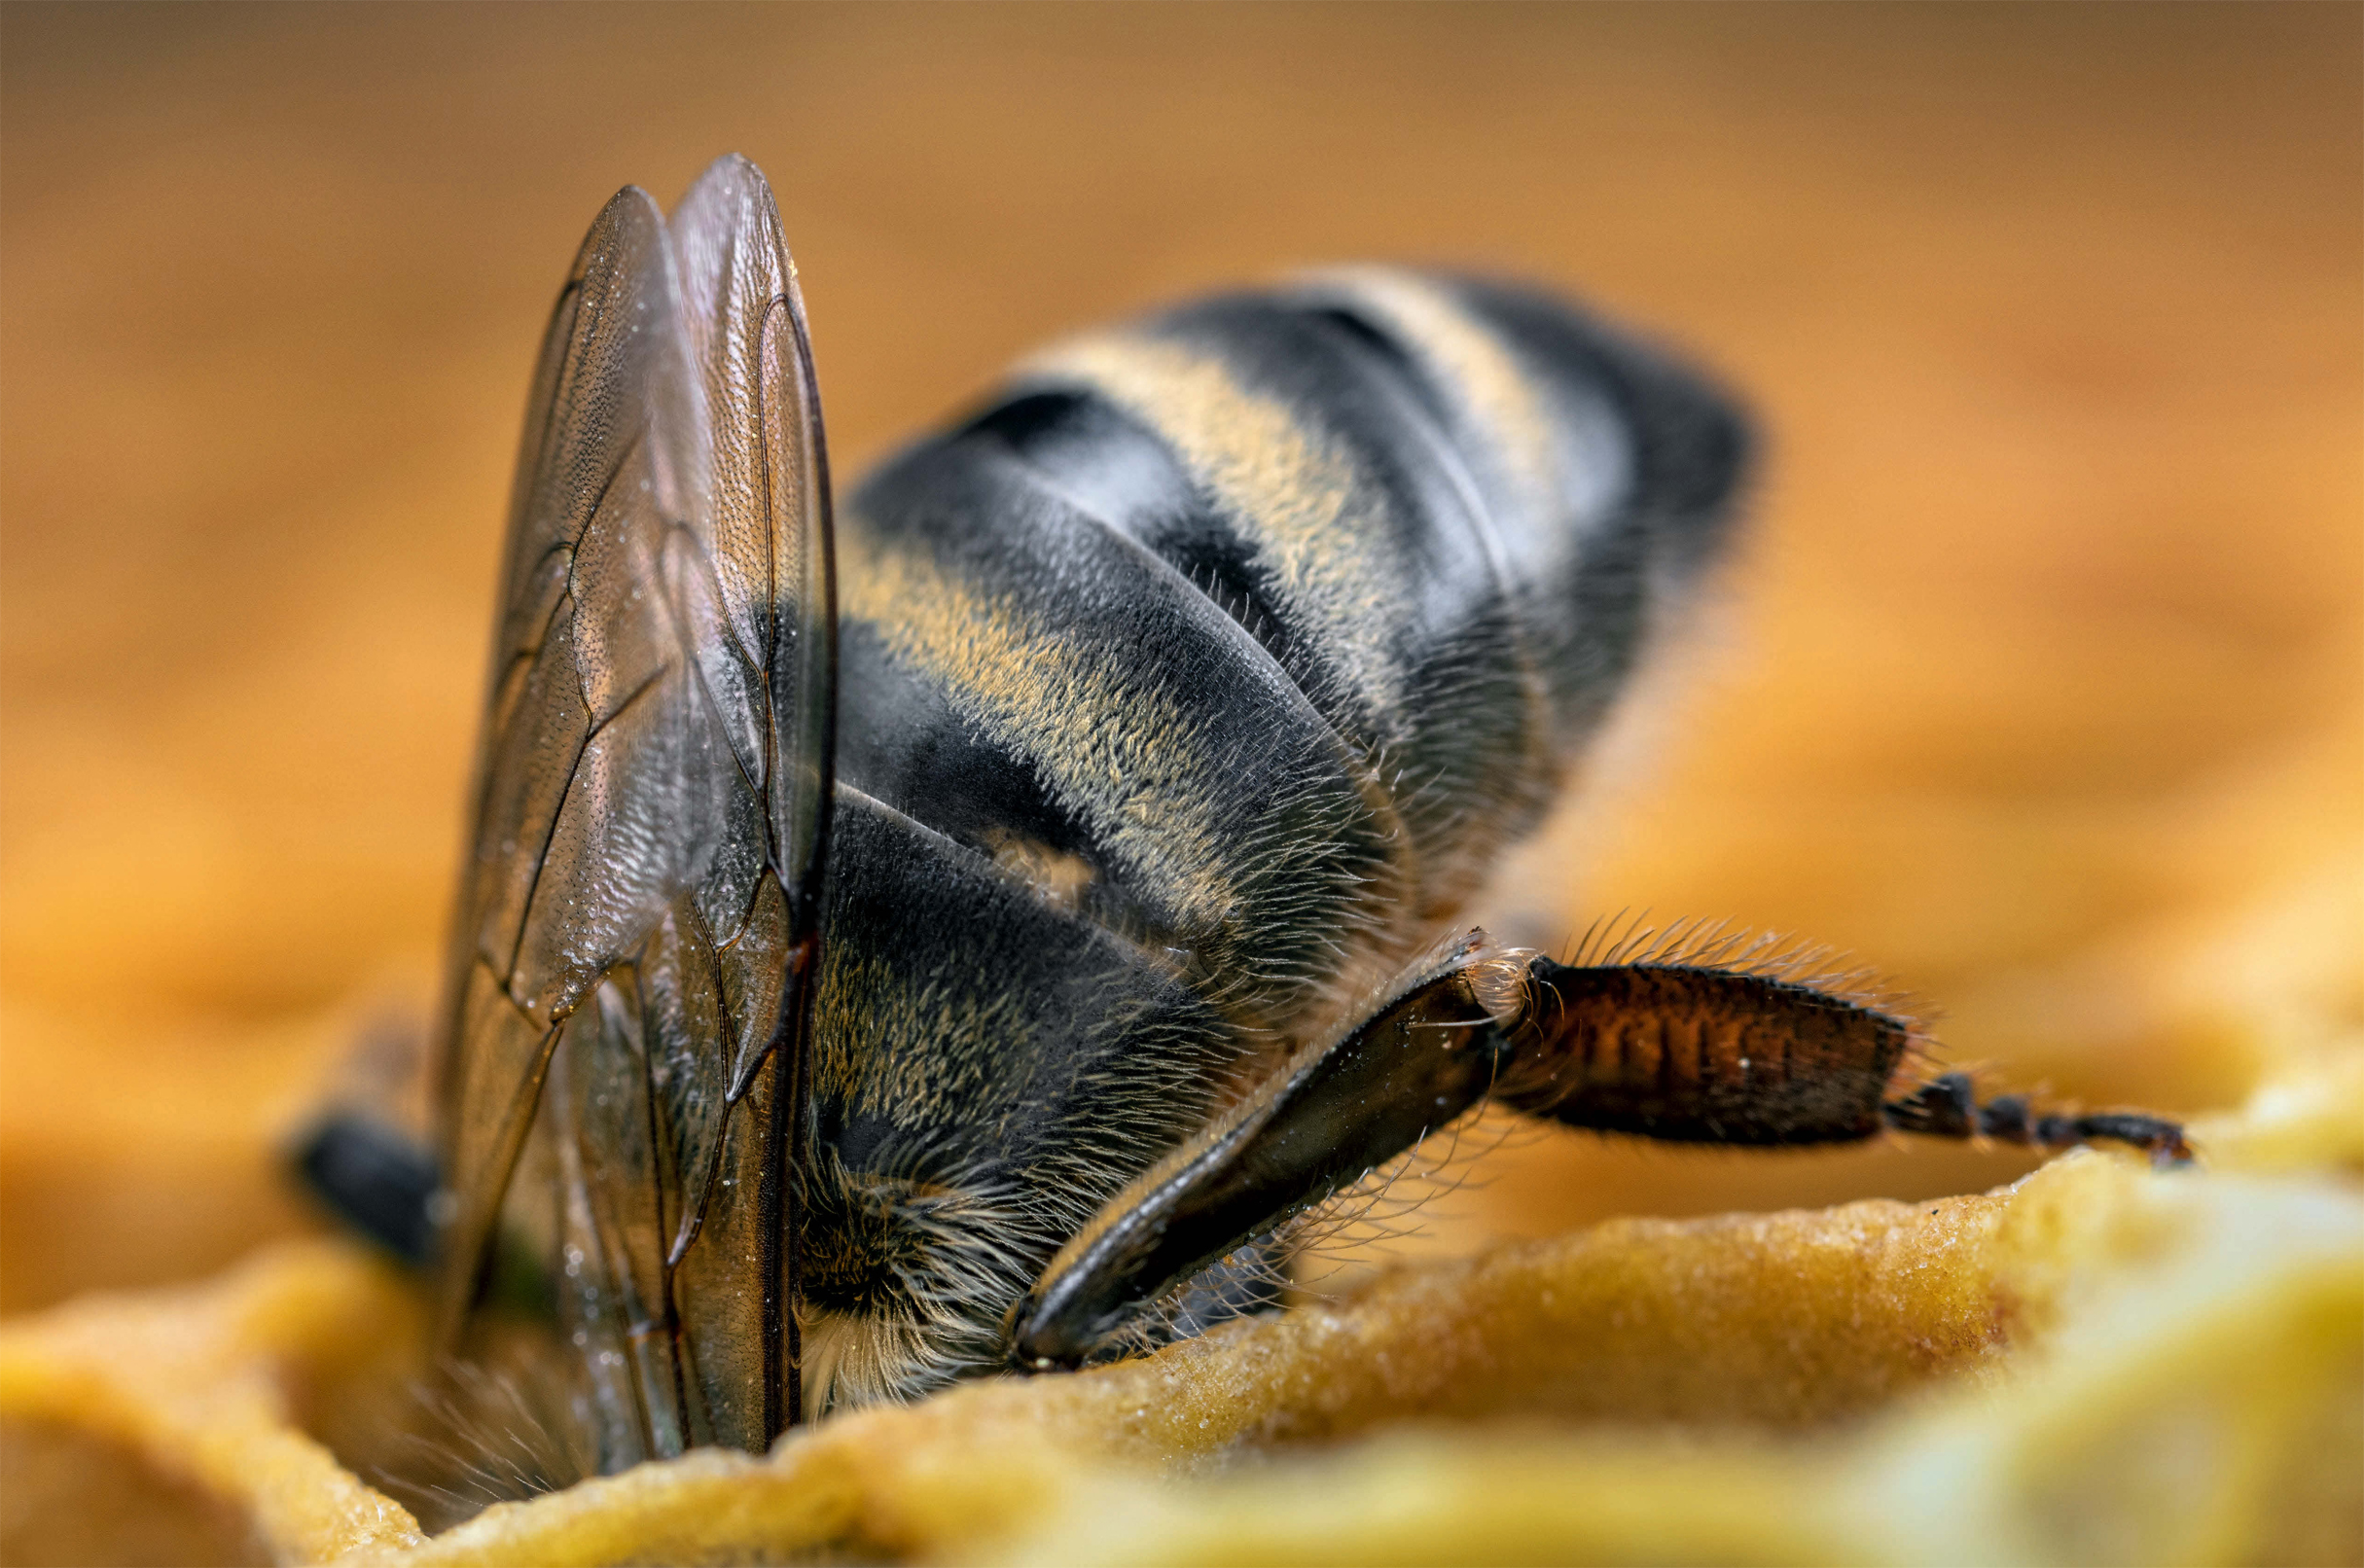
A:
1669, 1047
1684, 1044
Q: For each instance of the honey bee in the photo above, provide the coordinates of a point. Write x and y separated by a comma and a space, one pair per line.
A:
914, 940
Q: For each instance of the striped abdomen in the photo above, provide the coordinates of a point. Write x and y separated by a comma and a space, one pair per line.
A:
1186, 692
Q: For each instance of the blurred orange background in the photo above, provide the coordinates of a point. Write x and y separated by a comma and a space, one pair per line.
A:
2043, 671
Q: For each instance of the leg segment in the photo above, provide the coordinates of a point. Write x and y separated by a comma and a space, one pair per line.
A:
1342, 1108
1698, 1054
1946, 1108
376, 1180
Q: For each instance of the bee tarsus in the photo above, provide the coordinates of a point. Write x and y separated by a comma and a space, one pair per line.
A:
1947, 1107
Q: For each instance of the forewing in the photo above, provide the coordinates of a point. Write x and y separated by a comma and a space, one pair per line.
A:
600, 785
609, 1284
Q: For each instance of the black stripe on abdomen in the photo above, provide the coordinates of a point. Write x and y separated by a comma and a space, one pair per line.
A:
1045, 684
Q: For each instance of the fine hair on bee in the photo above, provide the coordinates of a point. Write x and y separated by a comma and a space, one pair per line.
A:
987, 920
1693, 957
477, 1432
1301, 1259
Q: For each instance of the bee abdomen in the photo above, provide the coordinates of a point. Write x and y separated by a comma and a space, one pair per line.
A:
1449, 513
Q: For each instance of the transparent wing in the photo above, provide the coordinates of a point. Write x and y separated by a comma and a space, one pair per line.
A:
769, 625
636, 918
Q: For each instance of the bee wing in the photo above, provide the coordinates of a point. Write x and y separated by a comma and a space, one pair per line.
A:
652, 801
774, 611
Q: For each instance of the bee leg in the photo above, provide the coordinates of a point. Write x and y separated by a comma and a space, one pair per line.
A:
374, 1179
1698, 1054
1341, 1108
1247, 1281
1693, 1053
1684, 1052
1947, 1108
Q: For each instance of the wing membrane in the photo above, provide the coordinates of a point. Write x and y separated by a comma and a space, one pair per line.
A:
771, 541
636, 915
